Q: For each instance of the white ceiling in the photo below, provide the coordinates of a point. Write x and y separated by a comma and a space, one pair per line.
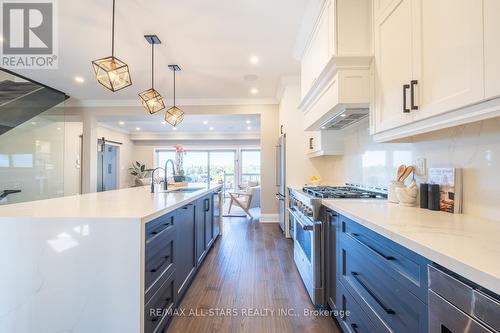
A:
190, 124
212, 41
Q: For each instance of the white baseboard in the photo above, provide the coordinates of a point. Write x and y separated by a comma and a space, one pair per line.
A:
269, 218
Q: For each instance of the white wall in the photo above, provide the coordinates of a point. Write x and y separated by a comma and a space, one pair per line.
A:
299, 168
474, 147
72, 157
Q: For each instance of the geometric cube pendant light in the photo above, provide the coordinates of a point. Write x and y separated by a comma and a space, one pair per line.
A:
111, 72
174, 115
151, 99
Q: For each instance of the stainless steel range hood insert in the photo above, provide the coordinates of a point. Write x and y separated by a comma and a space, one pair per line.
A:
345, 118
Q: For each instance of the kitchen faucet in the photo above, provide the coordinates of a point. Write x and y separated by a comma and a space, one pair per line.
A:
166, 173
153, 178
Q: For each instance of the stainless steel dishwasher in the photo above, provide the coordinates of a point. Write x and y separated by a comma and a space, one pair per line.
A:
459, 306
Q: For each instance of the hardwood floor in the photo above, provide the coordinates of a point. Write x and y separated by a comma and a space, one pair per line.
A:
250, 268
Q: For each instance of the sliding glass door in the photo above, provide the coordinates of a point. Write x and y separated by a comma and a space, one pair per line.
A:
250, 166
222, 168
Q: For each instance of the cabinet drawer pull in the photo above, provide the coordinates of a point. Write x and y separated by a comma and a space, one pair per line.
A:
405, 108
163, 306
311, 145
207, 205
374, 250
165, 259
385, 308
354, 328
412, 94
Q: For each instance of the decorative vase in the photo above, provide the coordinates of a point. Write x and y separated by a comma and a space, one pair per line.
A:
179, 179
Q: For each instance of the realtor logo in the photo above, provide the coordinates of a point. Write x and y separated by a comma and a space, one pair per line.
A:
28, 34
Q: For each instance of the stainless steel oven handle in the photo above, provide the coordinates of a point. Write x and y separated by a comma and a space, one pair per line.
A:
299, 221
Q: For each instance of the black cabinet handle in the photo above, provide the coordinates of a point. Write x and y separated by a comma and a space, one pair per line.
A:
207, 205
165, 260
412, 93
385, 308
281, 129
311, 143
163, 306
405, 108
354, 328
374, 250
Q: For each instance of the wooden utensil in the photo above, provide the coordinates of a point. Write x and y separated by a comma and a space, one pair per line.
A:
401, 171
406, 173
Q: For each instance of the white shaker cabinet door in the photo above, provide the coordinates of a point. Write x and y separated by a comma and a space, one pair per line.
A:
393, 66
449, 64
492, 47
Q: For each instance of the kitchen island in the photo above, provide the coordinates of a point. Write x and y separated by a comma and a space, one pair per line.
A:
102, 262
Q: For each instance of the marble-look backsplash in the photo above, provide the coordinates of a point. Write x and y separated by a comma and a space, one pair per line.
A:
474, 147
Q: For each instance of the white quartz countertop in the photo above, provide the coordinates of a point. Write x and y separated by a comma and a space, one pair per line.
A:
465, 244
136, 202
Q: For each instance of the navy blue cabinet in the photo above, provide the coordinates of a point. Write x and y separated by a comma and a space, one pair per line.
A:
384, 283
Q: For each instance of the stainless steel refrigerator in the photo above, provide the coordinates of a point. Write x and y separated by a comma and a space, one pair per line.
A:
281, 185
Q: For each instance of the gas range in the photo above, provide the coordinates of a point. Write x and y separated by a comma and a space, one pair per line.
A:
344, 192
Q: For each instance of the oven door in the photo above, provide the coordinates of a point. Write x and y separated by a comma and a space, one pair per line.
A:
307, 254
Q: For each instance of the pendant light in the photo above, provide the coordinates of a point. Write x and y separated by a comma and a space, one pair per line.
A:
151, 99
111, 72
174, 115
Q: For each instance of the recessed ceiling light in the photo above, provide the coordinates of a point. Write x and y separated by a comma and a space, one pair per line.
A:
343, 115
79, 79
137, 128
59, 128
211, 128
121, 123
254, 60
164, 122
249, 128
205, 122
33, 123
174, 128
248, 122
254, 91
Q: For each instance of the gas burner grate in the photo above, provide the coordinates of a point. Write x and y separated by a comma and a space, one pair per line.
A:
342, 192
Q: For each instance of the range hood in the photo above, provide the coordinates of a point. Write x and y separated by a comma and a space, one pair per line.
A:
345, 118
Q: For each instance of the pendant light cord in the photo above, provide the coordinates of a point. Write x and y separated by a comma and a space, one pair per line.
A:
174, 86
113, 32
152, 65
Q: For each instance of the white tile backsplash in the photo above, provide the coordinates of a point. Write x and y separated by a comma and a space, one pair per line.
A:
474, 147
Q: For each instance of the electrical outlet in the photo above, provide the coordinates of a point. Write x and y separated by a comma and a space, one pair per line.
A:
421, 167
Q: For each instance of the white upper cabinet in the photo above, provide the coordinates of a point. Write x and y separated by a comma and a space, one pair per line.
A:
335, 59
322, 143
393, 66
492, 47
436, 65
449, 65
317, 52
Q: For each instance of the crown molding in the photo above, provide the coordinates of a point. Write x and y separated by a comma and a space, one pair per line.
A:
196, 136
72, 102
284, 82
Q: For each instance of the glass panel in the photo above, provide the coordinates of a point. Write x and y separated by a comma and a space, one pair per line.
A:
162, 156
250, 166
32, 158
196, 166
222, 168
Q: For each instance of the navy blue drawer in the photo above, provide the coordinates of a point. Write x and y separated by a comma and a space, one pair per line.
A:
403, 265
159, 251
354, 318
155, 227
376, 289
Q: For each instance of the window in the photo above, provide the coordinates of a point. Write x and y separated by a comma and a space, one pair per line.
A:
220, 166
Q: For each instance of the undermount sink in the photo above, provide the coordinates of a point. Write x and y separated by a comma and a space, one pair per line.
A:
187, 190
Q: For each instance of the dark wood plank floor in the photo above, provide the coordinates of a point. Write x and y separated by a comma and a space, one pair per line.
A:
250, 268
